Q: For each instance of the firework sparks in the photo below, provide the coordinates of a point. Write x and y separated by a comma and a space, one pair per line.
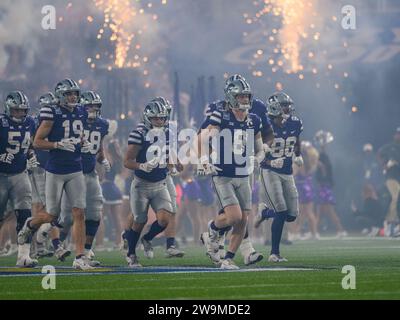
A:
293, 42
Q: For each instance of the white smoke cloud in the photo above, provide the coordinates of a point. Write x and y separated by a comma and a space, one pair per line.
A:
20, 25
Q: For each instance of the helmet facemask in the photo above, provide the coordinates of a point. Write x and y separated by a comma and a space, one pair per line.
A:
16, 116
15, 102
236, 91
93, 110
155, 115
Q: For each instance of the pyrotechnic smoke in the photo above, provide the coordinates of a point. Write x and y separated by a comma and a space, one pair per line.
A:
20, 25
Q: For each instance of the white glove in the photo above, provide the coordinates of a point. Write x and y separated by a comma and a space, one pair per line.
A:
267, 149
32, 162
106, 164
277, 163
6, 157
85, 146
66, 144
299, 161
149, 166
205, 167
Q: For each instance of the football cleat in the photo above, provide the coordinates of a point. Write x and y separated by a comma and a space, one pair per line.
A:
90, 257
276, 258
43, 252
26, 262
148, 249
228, 264
133, 261
43, 233
210, 251
25, 234
82, 263
173, 252
265, 214
61, 253
253, 258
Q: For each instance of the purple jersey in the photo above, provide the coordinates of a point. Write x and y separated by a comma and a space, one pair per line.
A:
240, 139
285, 138
66, 125
15, 139
94, 132
257, 107
140, 137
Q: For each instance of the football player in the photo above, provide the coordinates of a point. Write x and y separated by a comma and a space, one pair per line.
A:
240, 129
16, 130
171, 250
277, 179
257, 107
94, 130
149, 187
38, 181
61, 132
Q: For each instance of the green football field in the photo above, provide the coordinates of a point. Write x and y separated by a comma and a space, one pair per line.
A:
314, 271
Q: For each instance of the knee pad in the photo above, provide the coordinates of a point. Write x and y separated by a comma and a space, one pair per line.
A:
91, 227
22, 216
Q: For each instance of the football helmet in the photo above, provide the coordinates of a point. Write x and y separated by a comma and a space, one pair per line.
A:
47, 99
280, 104
155, 109
63, 89
166, 103
91, 101
16, 100
234, 86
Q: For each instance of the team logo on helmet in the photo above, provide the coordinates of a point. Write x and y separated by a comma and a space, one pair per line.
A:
47, 99
234, 86
92, 103
280, 104
16, 100
154, 109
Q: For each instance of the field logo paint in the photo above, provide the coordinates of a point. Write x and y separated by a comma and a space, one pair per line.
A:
49, 280
349, 18
49, 20
349, 280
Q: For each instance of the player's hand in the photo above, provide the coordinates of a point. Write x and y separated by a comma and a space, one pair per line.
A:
299, 161
32, 162
85, 146
206, 169
6, 157
107, 165
66, 144
267, 149
277, 163
149, 165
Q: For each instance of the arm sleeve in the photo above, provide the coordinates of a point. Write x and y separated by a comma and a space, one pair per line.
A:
46, 113
216, 118
135, 137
